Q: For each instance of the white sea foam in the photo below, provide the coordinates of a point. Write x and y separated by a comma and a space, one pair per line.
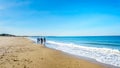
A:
103, 55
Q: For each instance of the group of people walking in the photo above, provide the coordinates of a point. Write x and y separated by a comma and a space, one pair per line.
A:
41, 40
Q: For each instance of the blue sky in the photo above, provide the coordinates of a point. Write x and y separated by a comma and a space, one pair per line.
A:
60, 17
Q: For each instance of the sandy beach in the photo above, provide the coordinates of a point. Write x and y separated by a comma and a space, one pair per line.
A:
19, 52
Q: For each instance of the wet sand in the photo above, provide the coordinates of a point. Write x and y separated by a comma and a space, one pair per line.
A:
19, 52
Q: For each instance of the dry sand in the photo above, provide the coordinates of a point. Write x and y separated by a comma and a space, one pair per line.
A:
19, 52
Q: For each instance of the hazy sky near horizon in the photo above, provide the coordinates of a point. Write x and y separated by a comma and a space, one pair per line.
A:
60, 17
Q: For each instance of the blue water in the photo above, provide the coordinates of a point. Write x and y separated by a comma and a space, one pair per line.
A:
104, 49
92, 41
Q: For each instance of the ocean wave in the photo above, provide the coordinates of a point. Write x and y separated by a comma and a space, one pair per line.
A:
103, 55
103, 43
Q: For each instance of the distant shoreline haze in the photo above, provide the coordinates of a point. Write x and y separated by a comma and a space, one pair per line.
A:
5, 34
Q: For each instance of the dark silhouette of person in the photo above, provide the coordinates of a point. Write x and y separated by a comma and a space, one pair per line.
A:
44, 40
41, 40
38, 40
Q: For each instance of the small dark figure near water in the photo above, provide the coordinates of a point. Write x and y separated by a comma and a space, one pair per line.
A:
38, 40
41, 39
44, 39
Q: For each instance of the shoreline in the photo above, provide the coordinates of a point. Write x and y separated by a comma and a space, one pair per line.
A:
23, 53
99, 53
82, 57
92, 61
87, 59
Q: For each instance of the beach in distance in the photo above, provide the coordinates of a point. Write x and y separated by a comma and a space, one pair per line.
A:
20, 52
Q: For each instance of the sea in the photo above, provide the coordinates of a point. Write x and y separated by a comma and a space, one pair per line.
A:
104, 49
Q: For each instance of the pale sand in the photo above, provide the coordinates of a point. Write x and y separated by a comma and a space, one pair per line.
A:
18, 52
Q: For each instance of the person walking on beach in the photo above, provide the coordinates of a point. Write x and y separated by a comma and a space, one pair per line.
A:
38, 40
44, 39
41, 39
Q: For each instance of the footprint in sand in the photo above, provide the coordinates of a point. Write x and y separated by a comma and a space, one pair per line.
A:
41, 58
